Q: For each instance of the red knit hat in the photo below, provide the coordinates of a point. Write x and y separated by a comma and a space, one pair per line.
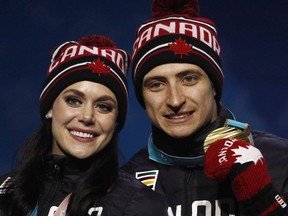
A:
176, 35
93, 58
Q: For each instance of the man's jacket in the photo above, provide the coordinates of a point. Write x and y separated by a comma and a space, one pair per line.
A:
189, 192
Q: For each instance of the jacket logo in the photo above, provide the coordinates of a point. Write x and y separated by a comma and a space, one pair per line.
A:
206, 207
149, 178
97, 211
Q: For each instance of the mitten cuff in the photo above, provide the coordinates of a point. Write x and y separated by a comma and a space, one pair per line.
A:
249, 179
266, 202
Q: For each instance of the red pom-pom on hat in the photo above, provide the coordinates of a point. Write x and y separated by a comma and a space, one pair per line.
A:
97, 41
180, 7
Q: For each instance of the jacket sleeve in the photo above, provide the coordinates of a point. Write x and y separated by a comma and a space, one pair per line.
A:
275, 151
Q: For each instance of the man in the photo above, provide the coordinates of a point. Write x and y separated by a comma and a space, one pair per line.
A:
178, 79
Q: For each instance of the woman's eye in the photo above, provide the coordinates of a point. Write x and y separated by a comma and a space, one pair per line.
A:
104, 107
73, 101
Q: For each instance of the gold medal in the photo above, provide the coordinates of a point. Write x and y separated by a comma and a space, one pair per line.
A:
229, 131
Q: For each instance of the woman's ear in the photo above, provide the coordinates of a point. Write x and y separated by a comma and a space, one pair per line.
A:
49, 114
115, 126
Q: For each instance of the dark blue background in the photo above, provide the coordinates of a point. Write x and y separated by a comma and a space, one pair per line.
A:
253, 37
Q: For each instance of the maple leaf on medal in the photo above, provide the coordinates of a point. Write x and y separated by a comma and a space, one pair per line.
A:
180, 47
99, 67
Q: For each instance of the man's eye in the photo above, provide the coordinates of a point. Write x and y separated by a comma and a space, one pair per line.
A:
155, 86
190, 79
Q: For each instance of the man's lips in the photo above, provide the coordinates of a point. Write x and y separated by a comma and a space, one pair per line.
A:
178, 115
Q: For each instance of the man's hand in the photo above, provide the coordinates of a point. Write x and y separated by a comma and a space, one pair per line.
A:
239, 161
244, 165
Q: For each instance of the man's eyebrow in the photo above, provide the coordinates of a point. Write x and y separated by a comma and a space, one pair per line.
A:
158, 78
178, 75
189, 71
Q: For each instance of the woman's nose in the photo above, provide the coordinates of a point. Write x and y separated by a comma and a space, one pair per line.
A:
87, 115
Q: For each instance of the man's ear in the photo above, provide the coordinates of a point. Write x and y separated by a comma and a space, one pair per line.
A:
214, 91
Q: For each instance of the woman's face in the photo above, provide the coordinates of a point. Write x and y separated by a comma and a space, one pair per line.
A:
83, 119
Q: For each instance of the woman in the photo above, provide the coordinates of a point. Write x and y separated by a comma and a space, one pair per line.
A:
70, 165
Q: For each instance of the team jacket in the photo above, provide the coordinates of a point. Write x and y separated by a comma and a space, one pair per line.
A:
126, 197
189, 192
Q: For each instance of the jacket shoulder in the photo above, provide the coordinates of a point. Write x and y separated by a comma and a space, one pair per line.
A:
275, 151
131, 197
139, 161
268, 141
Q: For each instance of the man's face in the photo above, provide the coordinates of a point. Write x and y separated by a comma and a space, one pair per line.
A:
179, 98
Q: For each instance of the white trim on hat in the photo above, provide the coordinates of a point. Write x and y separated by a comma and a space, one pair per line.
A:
77, 65
126, 63
55, 52
166, 45
123, 84
200, 50
178, 18
60, 73
147, 53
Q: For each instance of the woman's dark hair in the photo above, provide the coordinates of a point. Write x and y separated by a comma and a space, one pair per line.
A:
23, 193
96, 181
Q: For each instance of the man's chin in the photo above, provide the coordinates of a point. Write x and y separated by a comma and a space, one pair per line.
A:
179, 134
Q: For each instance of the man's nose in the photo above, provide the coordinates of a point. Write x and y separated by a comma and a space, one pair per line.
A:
175, 97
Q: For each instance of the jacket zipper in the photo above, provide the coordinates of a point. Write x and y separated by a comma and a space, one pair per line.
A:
46, 206
187, 205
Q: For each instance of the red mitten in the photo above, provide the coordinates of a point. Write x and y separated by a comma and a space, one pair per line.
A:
245, 167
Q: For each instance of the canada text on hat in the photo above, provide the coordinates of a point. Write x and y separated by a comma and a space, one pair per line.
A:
94, 58
201, 30
177, 35
77, 50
